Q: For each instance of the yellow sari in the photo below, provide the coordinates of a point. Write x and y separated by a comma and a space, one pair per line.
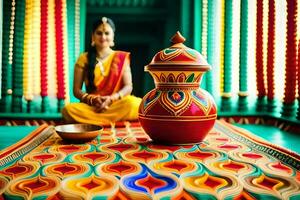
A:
107, 83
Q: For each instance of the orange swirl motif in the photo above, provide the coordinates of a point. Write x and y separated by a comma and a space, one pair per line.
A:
44, 158
267, 183
3, 185
144, 156
232, 166
278, 166
119, 148
64, 170
120, 168
206, 182
30, 188
197, 155
20, 169
175, 166
150, 183
90, 187
67, 149
94, 157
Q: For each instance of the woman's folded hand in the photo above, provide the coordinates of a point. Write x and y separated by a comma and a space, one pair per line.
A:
106, 101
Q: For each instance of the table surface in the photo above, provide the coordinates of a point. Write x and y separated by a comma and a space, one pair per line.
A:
122, 163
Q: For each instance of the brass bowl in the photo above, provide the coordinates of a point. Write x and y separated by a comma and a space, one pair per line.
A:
78, 133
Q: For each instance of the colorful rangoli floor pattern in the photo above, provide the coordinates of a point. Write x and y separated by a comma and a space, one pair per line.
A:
123, 164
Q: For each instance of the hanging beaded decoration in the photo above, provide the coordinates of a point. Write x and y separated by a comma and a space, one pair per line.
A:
204, 28
28, 54
77, 27
65, 52
36, 38
43, 49
11, 32
59, 49
10, 48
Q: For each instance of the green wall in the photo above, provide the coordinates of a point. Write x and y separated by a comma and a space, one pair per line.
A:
142, 28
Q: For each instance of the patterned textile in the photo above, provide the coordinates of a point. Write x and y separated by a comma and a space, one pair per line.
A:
122, 163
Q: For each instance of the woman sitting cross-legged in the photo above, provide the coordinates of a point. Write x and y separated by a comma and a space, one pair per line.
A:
107, 76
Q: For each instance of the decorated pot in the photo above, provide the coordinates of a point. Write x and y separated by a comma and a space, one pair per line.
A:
177, 111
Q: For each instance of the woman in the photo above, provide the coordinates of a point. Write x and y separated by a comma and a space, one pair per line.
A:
108, 81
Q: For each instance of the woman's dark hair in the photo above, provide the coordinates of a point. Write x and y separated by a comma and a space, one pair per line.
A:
92, 53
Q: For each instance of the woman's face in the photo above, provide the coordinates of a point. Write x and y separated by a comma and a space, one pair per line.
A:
103, 36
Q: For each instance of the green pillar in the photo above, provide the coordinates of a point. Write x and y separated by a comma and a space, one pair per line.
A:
211, 43
197, 24
60, 105
71, 44
45, 104
243, 80
298, 111
226, 96
6, 78
82, 24
17, 64
204, 36
185, 21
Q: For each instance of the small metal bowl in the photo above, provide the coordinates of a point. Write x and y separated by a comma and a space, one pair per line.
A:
78, 133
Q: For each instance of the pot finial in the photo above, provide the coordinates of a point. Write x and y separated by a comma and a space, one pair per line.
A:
177, 38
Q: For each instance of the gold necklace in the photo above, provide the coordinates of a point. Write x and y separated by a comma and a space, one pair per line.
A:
100, 59
101, 67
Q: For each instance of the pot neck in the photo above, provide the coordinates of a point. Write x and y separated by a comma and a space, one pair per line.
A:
177, 79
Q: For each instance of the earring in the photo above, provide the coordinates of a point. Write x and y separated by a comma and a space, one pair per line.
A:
93, 43
112, 44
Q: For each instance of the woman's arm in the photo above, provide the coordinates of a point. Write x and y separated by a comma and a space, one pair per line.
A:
79, 73
92, 100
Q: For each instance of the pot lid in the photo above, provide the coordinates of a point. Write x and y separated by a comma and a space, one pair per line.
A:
178, 54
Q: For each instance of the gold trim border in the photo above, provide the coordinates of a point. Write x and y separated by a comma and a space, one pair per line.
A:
179, 118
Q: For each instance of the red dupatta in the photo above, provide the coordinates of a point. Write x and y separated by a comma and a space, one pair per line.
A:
113, 82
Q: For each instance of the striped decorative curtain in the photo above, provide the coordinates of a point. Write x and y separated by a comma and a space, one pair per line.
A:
253, 47
41, 40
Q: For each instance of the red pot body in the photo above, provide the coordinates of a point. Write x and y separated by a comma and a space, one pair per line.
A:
180, 113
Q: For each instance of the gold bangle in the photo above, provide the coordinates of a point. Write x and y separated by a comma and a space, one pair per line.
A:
87, 99
83, 96
91, 99
112, 97
120, 95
